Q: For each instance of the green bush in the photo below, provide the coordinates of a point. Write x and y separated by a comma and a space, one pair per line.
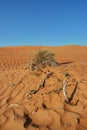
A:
42, 59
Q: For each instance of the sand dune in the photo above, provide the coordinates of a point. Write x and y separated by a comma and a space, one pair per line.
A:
46, 109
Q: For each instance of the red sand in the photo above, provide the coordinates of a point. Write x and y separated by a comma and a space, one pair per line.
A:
46, 109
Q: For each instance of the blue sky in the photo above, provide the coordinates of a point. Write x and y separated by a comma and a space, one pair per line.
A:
43, 22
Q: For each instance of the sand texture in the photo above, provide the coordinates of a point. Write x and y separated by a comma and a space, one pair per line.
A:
46, 109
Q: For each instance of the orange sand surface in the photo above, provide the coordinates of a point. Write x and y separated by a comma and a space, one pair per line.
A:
46, 109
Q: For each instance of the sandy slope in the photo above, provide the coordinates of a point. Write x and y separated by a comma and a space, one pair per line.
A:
47, 109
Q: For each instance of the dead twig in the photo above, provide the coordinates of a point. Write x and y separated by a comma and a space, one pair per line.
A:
14, 104
42, 84
64, 91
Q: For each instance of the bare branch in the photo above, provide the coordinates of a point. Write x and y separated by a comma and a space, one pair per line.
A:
64, 91
42, 84
14, 104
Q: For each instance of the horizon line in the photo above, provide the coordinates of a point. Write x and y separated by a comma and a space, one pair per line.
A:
42, 45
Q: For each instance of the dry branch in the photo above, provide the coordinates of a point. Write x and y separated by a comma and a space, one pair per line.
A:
42, 84
64, 91
14, 104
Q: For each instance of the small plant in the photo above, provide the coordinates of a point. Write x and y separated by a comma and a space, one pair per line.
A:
42, 59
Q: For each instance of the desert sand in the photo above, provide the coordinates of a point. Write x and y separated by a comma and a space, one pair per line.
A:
46, 109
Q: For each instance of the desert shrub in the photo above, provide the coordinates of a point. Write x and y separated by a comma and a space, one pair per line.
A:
42, 59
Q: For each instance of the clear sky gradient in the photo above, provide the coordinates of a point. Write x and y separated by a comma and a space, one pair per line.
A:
43, 22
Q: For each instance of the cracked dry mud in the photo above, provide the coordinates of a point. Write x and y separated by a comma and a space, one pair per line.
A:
46, 109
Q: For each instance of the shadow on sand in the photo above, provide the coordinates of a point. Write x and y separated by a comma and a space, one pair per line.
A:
64, 63
73, 93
